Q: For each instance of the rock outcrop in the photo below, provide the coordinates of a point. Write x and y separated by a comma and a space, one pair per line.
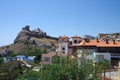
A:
25, 34
33, 38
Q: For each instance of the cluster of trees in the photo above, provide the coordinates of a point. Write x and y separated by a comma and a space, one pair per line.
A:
30, 52
62, 68
11, 70
68, 69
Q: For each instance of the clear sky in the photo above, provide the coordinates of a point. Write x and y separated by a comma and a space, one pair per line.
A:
58, 17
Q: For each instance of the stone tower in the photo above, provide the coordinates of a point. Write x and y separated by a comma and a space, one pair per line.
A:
63, 44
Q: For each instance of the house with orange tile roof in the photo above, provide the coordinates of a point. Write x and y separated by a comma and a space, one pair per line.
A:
94, 44
75, 40
101, 46
47, 58
66, 46
70, 46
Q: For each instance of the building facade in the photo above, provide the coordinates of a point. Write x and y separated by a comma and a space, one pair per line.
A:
70, 46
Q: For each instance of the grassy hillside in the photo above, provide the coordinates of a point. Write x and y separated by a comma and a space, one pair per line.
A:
41, 43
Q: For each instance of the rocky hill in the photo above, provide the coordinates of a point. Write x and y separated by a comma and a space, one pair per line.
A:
34, 39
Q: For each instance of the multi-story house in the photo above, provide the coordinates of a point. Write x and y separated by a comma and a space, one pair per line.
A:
70, 46
66, 46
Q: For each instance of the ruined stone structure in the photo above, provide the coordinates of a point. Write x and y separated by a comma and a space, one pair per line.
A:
25, 34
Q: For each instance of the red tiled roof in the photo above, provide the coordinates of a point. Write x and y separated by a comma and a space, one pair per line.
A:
51, 54
100, 43
63, 37
90, 43
48, 54
75, 37
110, 44
56, 45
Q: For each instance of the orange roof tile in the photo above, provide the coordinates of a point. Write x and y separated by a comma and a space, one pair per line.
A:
100, 43
110, 44
51, 54
75, 37
90, 43
63, 37
56, 45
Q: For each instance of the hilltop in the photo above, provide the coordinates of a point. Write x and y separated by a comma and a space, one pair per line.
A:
33, 39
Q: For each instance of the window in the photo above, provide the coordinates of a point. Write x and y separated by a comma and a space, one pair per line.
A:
63, 48
63, 51
99, 57
75, 41
47, 59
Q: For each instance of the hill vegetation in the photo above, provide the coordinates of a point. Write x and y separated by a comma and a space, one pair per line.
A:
31, 39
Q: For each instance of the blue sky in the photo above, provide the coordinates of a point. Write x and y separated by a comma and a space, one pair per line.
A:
58, 17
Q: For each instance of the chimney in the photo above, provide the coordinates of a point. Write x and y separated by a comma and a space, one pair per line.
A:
87, 40
113, 41
97, 40
107, 41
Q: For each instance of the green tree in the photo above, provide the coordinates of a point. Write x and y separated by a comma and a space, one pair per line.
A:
37, 52
37, 58
13, 54
69, 70
1, 60
30, 75
9, 71
65, 68
103, 66
56, 59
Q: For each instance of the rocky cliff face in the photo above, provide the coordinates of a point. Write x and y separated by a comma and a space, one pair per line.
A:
25, 34
32, 38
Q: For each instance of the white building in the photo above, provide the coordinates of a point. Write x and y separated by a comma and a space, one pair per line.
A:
66, 46
63, 44
75, 40
99, 56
